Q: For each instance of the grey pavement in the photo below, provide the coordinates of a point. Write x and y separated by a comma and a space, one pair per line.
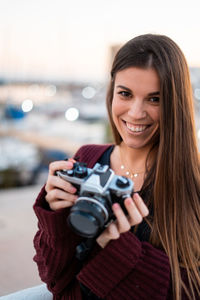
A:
18, 226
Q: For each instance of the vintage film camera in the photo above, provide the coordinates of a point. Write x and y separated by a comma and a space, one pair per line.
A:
97, 190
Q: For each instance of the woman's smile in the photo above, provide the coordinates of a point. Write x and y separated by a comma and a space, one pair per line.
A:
135, 128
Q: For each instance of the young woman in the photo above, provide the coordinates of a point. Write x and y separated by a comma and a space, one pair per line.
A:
153, 252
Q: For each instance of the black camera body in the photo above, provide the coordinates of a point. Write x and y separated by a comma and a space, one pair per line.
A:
97, 190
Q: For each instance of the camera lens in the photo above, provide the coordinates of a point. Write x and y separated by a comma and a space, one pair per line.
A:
87, 217
83, 223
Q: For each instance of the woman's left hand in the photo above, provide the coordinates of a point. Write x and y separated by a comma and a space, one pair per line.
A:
137, 210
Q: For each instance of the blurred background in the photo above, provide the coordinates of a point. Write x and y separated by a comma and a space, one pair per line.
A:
55, 58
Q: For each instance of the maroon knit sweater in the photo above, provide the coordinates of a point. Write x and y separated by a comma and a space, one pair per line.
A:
125, 269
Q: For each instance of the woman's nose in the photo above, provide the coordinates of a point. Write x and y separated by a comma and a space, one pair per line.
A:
137, 109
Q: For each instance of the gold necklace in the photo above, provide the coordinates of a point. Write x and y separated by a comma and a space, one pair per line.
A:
126, 170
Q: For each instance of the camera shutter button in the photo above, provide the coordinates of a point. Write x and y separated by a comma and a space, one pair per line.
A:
70, 172
80, 172
122, 182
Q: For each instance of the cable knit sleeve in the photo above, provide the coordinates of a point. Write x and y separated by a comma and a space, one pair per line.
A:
55, 243
128, 269
55, 247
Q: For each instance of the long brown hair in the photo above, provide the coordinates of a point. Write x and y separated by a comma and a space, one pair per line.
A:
175, 175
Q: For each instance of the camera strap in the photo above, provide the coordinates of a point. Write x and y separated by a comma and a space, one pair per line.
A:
83, 249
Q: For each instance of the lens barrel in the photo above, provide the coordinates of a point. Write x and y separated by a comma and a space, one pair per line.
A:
87, 217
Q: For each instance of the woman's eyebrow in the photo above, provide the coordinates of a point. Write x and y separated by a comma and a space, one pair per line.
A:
154, 93
124, 88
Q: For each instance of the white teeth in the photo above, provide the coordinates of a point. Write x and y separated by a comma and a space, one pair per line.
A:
136, 128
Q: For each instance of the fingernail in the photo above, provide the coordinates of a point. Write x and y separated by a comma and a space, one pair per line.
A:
75, 197
72, 160
147, 211
73, 190
70, 163
128, 201
116, 206
136, 196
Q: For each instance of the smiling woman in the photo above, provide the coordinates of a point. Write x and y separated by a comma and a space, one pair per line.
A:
151, 249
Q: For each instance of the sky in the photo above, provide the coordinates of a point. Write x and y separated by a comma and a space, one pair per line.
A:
71, 39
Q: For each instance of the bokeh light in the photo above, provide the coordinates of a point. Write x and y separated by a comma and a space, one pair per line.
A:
88, 92
27, 105
72, 114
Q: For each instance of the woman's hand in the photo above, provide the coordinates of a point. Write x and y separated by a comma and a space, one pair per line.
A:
137, 210
60, 193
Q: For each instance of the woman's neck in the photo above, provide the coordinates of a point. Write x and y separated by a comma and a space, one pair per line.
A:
135, 159
131, 163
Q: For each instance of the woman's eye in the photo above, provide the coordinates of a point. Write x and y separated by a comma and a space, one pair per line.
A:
154, 99
124, 94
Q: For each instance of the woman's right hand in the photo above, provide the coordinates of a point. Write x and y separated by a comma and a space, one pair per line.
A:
60, 193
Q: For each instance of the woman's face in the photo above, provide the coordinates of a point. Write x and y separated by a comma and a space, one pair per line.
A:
135, 106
